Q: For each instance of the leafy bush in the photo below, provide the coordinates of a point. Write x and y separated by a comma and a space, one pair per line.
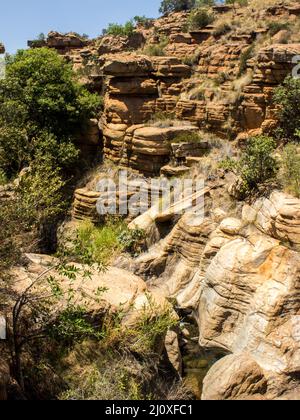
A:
41, 108
169, 6
287, 97
42, 185
29, 217
256, 164
143, 21
153, 324
129, 369
120, 30
291, 169
275, 27
72, 326
100, 244
199, 19
132, 241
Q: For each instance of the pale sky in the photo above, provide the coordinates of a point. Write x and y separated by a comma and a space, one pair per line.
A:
22, 20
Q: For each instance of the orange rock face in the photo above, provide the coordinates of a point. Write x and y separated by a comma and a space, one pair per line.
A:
220, 78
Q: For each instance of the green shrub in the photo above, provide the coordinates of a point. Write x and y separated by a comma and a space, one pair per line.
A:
169, 6
116, 29
153, 324
256, 164
42, 106
291, 169
132, 241
73, 326
41, 194
287, 97
275, 27
143, 21
100, 244
199, 19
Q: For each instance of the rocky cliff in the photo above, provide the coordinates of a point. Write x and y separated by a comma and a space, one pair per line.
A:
237, 271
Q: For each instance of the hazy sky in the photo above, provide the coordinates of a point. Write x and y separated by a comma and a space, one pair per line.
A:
22, 20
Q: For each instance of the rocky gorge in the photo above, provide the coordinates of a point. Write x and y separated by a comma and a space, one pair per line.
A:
231, 277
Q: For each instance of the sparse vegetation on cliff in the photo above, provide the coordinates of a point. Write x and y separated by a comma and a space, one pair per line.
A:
287, 97
168, 6
116, 29
42, 109
290, 173
256, 165
199, 19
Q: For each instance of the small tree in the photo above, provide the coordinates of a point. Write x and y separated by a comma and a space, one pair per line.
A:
116, 29
287, 97
256, 164
169, 6
199, 19
42, 106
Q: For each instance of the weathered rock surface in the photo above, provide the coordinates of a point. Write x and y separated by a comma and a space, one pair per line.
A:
238, 275
243, 286
173, 350
120, 288
277, 216
84, 205
234, 378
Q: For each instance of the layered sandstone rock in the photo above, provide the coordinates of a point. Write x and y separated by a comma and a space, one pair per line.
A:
120, 288
84, 206
277, 216
109, 44
271, 66
243, 286
202, 79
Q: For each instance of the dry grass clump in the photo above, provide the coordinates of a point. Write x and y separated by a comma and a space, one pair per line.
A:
237, 87
164, 119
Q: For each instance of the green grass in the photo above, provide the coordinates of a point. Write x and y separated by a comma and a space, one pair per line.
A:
101, 244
